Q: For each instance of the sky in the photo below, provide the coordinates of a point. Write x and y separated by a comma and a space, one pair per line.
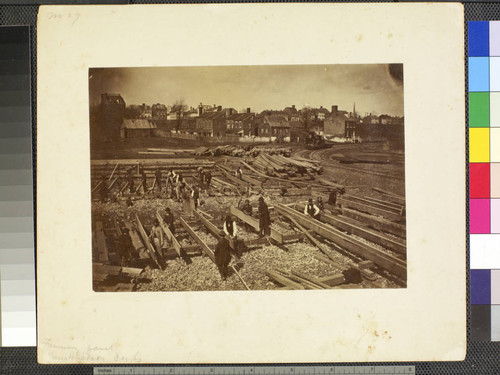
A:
375, 88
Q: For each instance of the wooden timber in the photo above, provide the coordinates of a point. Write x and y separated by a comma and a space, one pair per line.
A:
311, 279
176, 245
388, 193
112, 173
101, 242
383, 260
149, 248
306, 283
370, 209
254, 223
244, 176
330, 183
376, 222
375, 237
198, 240
396, 206
136, 241
382, 206
333, 280
283, 280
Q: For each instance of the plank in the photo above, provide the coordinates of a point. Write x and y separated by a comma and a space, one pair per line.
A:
198, 240
390, 204
385, 192
311, 279
177, 246
382, 206
112, 173
283, 280
376, 222
370, 235
254, 223
136, 241
369, 209
101, 242
330, 183
106, 269
383, 260
149, 248
131, 271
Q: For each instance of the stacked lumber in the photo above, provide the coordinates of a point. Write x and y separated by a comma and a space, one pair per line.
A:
241, 150
278, 165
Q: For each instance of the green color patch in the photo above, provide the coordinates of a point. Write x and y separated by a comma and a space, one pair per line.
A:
479, 109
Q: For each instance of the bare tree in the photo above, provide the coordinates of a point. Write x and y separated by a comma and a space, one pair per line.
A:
178, 108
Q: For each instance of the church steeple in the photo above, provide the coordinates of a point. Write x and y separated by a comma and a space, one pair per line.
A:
354, 110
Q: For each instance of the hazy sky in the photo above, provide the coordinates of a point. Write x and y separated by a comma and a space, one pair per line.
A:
375, 88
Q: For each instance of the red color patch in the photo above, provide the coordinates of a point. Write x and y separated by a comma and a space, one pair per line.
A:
479, 180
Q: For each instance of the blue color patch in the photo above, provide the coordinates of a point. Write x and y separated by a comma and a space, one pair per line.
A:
479, 74
480, 287
479, 38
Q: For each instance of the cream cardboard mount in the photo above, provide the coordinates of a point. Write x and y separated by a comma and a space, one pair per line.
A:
425, 321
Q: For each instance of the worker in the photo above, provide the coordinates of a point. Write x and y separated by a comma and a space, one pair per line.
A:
178, 177
222, 255
156, 237
129, 202
131, 186
125, 247
246, 208
169, 179
201, 176
158, 178
195, 195
169, 220
180, 186
264, 219
320, 204
239, 173
229, 227
144, 181
311, 209
103, 189
208, 179
332, 197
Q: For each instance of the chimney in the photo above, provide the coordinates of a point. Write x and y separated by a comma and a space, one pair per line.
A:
293, 106
248, 110
219, 108
200, 109
229, 112
335, 109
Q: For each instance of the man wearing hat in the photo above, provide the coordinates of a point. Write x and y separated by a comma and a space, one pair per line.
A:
311, 209
222, 255
156, 237
264, 218
169, 220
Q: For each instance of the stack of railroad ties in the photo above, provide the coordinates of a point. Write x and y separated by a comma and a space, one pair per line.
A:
368, 229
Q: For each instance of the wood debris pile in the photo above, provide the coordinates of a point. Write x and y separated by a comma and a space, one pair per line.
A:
236, 150
281, 166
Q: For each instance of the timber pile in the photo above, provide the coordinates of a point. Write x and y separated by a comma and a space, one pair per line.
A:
239, 150
278, 165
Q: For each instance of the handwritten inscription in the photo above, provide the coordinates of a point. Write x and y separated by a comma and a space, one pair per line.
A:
59, 16
67, 353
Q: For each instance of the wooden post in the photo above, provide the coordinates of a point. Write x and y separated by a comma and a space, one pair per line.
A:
150, 248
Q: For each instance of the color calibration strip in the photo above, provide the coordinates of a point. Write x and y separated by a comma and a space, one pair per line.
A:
484, 179
17, 265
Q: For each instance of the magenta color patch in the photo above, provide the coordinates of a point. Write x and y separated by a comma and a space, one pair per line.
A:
479, 216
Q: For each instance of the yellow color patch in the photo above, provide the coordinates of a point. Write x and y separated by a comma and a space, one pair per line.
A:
479, 145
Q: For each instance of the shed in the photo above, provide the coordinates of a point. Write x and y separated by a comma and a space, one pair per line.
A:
137, 128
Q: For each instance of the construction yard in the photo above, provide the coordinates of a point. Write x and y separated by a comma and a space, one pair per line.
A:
359, 241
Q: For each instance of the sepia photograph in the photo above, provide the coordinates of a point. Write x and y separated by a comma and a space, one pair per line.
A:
247, 177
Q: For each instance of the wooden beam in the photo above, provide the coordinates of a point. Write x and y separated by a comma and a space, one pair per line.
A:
370, 235
177, 246
376, 222
385, 192
391, 204
101, 242
283, 280
311, 279
149, 248
382, 206
369, 209
112, 173
275, 235
136, 241
198, 240
383, 260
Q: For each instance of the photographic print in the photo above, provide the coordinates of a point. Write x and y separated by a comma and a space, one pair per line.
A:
247, 177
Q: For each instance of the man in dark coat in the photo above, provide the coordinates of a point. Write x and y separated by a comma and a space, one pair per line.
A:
222, 255
169, 220
264, 218
208, 179
125, 247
